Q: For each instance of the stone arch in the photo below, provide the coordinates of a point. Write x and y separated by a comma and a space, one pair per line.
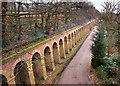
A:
21, 73
62, 54
49, 62
69, 39
37, 67
56, 54
82, 32
79, 34
72, 36
66, 44
4, 80
76, 36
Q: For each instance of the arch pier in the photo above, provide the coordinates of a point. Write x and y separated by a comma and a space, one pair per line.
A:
34, 63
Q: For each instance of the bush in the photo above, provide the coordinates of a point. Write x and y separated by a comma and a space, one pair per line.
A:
96, 62
117, 61
34, 33
108, 72
98, 49
107, 61
101, 72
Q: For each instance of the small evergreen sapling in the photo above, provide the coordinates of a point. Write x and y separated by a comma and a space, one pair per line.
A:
98, 48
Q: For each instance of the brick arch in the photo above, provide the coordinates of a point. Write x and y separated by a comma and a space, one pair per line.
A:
49, 61
40, 48
14, 65
55, 41
4, 80
74, 31
35, 51
66, 35
66, 44
37, 67
72, 36
77, 35
61, 38
70, 43
21, 73
56, 53
61, 46
46, 45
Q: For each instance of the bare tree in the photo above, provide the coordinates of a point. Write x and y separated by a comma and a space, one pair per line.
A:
4, 35
108, 17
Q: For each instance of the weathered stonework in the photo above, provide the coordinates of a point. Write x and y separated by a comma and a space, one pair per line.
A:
47, 53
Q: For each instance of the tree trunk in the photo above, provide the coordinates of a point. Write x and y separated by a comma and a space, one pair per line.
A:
4, 35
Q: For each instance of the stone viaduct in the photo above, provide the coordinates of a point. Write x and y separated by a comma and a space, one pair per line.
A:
33, 64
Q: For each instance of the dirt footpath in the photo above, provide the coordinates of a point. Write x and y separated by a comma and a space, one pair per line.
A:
77, 70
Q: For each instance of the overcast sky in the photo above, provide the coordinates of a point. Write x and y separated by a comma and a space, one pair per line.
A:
98, 4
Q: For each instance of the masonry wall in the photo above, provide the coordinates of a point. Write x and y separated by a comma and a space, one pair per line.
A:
44, 55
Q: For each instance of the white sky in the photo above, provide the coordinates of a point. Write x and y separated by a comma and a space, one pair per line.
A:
98, 4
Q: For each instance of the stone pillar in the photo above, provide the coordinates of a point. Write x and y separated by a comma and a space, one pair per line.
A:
70, 48
82, 31
56, 55
31, 75
68, 45
79, 35
71, 43
64, 55
85, 31
62, 51
75, 39
59, 60
10, 79
49, 61
52, 60
43, 68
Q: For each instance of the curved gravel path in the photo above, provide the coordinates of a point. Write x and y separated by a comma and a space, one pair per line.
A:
78, 69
